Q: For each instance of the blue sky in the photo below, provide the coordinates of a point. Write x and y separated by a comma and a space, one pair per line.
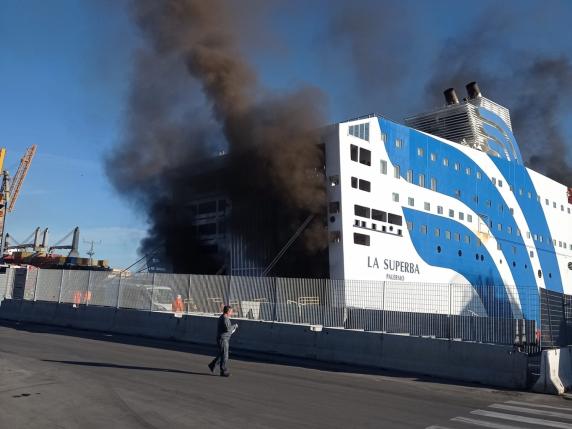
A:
65, 68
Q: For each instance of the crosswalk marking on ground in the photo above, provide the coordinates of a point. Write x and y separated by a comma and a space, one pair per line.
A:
512, 415
532, 411
522, 419
484, 423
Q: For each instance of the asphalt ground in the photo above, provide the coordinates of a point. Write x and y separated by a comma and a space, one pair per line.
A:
61, 378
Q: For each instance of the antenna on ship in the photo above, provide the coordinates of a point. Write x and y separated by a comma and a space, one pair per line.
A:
91, 251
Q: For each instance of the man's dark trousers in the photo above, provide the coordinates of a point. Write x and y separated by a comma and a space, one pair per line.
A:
222, 356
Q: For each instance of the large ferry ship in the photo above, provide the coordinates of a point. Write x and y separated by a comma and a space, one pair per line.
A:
445, 198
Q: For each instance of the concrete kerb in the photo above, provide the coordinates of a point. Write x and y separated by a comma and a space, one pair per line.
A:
94, 318
11, 310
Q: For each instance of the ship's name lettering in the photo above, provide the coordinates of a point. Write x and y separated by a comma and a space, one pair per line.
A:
393, 265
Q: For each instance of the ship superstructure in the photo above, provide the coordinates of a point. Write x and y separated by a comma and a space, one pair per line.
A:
445, 199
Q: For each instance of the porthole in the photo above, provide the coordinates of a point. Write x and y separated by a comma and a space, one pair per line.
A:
438, 249
332, 219
477, 256
526, 266
513, 264
549, 275
460, 253
482, 258
539, 274
500, 261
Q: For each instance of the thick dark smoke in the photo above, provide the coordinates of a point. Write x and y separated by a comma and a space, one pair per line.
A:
275, 165
536, 88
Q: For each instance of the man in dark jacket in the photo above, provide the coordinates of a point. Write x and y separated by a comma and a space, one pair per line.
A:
224, 331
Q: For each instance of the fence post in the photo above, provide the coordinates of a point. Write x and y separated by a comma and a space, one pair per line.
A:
189, 294
61, 287
152, 293
450, 310
275, 312
88, 293
119, 291
36, 284
383, 307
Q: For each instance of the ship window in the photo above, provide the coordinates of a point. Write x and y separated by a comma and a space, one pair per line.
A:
457, 236
499, 226
396, 172
437, 232
494, 180
354, 182
420, 151
427, 206
334, 180
469, 218
398, 143
421, 180
488, 203
361, 211
554, 204
364, 156
448, 235
361, 239
446, 162
334, 207
457, 166
360, 131
433, 156
379, 215
535, 237
546, 202
383, 166
394, 219
509, 229
383, 137
513, 250
451, 213
353, 152
511, 211
411, 201
561, 208
479, 175
423, 229
440, 210
410, 225
529, 195
500, 183
364, 185
461, 216
541, 239
467, 239
410, 176
433, 184
528, 235
468, 171
395, 197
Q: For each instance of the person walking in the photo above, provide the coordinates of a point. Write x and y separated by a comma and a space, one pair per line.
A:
225, 329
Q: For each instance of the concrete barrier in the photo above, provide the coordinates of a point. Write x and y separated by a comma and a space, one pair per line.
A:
473, 362
555, 372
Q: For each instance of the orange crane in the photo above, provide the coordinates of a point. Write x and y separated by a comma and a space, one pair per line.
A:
11, 188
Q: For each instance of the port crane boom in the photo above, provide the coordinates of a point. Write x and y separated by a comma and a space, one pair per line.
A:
10, 189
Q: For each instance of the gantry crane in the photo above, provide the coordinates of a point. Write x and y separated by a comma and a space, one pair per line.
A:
11, 188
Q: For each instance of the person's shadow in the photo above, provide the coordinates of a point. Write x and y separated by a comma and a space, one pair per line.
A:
112, 365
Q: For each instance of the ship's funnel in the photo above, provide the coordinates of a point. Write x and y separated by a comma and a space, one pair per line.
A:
451, 96
36, 238
74, 253
473, 90
45, 239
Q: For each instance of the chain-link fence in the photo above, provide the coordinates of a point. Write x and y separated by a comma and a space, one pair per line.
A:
492, 313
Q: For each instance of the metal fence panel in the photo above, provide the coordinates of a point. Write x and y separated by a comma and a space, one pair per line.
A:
167, 288
75, 287
104, 288
135, 291
48, 283
210, 293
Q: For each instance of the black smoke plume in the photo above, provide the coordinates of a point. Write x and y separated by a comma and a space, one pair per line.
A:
535, 87
194, 95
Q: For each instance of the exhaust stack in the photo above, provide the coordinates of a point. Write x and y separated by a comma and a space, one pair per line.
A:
451, 96
473, 90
